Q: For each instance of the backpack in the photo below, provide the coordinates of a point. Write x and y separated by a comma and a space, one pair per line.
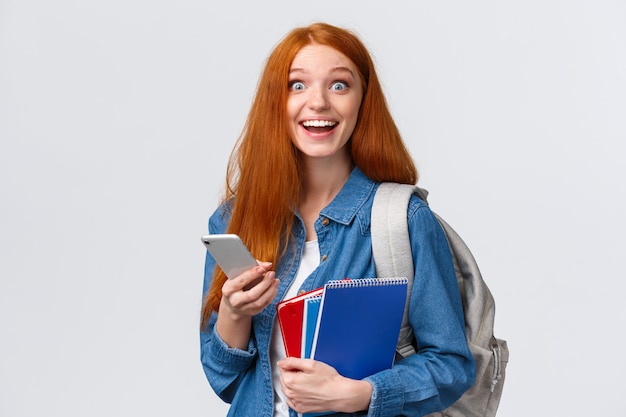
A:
391, 247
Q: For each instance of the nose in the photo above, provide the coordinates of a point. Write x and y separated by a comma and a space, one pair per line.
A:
318, 99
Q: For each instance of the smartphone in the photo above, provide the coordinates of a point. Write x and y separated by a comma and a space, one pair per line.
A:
231, 254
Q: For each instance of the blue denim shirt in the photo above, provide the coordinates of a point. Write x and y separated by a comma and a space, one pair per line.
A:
420, 384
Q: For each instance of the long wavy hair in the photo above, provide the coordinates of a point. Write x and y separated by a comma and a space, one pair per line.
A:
263, 176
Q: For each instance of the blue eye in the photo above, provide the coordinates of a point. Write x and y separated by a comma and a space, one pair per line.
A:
339, 86
296, 85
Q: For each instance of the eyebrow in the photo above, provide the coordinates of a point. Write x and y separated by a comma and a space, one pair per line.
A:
334, 70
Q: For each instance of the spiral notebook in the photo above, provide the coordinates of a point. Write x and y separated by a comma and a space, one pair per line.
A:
358, 325
309, 322
290, 315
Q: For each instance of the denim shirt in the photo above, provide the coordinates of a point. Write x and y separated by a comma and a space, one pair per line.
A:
420, 384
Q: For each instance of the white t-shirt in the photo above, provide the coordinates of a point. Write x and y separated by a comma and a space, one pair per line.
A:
310, 261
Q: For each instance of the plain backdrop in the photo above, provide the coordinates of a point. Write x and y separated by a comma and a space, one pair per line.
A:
116, 121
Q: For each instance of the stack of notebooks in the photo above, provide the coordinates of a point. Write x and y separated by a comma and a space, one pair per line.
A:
352, 325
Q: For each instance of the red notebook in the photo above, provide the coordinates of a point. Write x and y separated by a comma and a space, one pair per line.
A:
290, 314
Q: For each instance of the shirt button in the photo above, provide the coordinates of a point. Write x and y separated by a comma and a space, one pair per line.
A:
325, 221
301, 292
324, 258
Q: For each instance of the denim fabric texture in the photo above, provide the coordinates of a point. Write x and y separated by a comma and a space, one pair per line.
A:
418, 385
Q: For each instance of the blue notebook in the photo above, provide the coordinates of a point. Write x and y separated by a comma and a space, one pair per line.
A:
309, 322
359, 324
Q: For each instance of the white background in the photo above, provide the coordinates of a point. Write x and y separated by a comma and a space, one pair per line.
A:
116, 120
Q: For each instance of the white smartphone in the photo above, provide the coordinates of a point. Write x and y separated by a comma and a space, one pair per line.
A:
231, 254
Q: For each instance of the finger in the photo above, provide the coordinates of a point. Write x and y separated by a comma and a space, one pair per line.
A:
259, 282
295, 364
244, 279
265, 291
256, 299
264, 265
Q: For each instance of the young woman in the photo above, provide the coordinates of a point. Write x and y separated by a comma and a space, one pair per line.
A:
300, 184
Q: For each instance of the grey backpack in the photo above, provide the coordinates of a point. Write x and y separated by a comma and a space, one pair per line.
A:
392, 256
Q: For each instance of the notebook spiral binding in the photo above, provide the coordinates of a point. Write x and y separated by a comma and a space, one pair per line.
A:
366, 282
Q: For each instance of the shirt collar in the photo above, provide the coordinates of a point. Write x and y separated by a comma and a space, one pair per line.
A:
355, 192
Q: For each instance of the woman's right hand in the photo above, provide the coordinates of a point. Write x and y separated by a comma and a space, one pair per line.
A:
242, 302
234, 319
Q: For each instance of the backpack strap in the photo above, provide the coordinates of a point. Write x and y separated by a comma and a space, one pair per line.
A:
391, 249
391, 246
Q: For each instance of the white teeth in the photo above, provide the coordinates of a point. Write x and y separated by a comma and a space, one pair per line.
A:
318, 123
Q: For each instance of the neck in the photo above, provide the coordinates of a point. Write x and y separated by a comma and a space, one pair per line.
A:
323, 179
321, 183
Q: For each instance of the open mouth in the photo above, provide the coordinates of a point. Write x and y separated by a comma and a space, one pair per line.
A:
319, 126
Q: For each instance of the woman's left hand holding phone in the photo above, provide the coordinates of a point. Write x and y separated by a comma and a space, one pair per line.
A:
234, 319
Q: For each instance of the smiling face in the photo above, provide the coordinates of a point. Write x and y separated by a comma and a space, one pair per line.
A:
325, 94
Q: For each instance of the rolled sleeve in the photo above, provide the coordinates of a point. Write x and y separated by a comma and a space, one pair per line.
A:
224, 366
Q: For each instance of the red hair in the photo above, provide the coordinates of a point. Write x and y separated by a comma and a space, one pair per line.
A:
263, 176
